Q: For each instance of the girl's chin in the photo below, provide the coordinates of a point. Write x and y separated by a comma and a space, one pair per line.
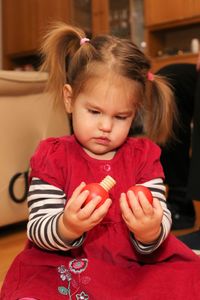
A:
100, 153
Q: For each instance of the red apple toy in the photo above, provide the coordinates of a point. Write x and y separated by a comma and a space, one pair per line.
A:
99, 189
144, 189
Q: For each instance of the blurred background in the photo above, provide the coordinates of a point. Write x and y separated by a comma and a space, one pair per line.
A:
168, 31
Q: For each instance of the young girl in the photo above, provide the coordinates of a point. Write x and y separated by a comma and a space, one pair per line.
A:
121, 249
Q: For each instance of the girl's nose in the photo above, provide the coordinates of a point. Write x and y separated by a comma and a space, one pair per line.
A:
105, 124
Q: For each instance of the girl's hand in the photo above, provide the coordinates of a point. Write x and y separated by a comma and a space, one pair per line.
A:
142, 218
77, 219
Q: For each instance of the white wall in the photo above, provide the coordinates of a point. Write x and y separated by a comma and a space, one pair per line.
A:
0, 37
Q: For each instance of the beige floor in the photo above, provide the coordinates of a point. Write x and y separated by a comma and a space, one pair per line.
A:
12, 241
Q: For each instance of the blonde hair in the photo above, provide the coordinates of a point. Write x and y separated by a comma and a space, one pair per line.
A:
67, 60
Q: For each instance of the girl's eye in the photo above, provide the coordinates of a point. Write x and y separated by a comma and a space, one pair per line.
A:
93, 111
121, 117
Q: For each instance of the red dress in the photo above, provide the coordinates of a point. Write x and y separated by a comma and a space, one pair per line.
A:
106, 266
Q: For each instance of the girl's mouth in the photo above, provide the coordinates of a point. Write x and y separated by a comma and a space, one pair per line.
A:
102, 141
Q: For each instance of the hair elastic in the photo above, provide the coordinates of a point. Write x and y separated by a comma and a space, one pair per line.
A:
150, 76
84, 40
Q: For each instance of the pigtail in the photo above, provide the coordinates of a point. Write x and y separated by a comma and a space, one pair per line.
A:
58, 47
159, 110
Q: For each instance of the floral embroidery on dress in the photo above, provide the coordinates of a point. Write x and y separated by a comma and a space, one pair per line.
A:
82, 296
76, 266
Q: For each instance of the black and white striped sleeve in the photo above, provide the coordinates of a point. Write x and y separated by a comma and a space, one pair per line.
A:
46, 203
157, 188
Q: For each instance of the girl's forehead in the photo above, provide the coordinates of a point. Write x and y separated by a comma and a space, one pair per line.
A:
112, 87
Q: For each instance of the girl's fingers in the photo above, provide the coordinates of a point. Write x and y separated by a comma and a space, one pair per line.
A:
77, 191
78, 198
92, 211
89, 208
101, 211
123, 202
135, 204
127, 213
79, 188
156, 203
157, 206
147, 207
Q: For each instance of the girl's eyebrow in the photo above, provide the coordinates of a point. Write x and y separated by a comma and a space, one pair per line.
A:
93, 105
125, 112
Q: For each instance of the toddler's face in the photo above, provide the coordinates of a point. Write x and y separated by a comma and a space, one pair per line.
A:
102, 114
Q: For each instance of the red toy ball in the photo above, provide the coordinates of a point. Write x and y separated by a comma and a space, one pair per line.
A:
145, 190
95, 189
99, 189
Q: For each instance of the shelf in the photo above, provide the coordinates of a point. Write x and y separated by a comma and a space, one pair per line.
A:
159, 62
170, 30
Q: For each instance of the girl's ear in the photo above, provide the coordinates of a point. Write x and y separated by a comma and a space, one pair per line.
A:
67, 93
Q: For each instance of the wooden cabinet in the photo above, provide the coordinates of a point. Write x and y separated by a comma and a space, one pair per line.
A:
17, 36
157, 12
169, 26
25, 22
100, 16
169, 29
